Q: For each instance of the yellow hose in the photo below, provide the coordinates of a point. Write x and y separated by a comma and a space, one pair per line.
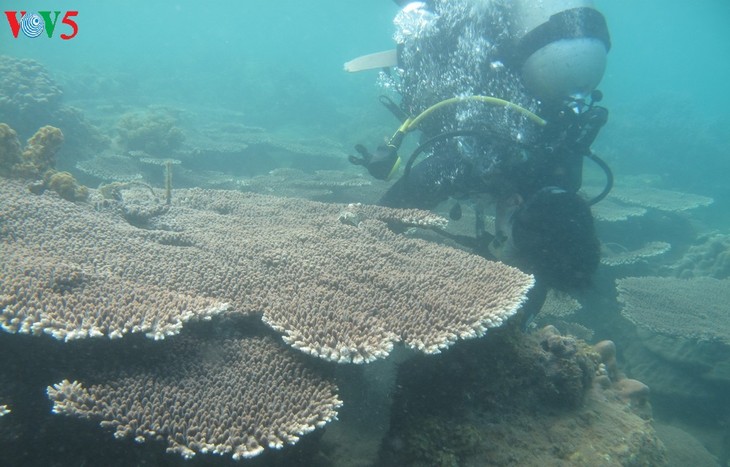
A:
412, 123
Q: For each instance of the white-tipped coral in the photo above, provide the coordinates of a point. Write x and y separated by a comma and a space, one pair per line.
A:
236, 395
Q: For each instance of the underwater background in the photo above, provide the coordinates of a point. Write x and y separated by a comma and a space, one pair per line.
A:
280, 64
251, 96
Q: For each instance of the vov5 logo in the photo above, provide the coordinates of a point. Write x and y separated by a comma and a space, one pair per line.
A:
33, 24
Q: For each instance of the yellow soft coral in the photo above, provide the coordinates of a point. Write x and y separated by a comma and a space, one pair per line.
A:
40, 153
9, 149
66, 186
37, 161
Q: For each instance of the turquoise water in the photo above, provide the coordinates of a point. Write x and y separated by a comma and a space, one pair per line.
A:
678, 47
255, 56
277, 67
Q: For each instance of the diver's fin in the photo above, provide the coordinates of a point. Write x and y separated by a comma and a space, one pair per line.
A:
384, 59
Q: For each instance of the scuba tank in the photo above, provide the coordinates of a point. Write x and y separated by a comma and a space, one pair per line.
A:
560, 47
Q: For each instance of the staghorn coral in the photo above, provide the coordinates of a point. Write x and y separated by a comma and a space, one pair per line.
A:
208, 395
336, 291
689, 308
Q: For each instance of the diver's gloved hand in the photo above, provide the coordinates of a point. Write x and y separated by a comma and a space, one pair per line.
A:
364, 158
382, 164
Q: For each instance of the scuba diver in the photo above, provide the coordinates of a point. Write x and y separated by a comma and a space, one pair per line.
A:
503, 93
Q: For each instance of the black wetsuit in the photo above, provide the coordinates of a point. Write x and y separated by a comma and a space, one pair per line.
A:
455, 52
506, 153
501, 168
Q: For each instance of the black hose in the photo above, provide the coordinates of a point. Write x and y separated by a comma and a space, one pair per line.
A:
609, 178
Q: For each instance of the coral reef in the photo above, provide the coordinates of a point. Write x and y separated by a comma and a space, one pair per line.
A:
506, 399
609, 210
10, 152
83, 139
680, 346
314, 278
210, 395
686, 308
655, 198
615, 255
683, 449
37, 161
110, 168
29, 97
516, 399
220, 142
65, 185
320, 185
709, 257
439, 442
42, 147
28, 93
155, 132
39, 154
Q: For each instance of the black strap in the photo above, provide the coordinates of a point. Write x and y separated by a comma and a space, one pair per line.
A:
568, 24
